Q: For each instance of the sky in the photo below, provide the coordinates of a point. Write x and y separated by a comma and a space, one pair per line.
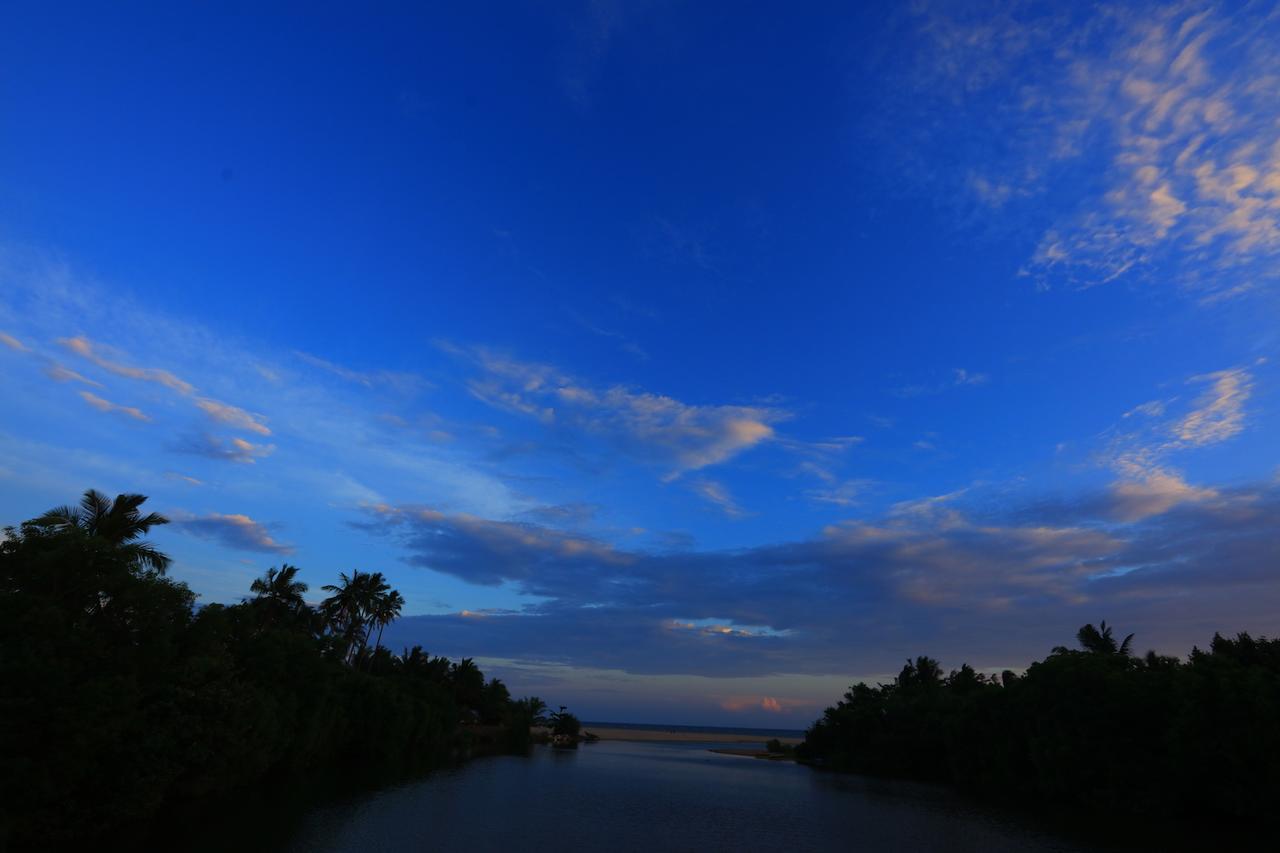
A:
680, 362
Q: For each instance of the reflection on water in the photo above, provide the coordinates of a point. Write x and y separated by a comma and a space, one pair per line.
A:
640, 796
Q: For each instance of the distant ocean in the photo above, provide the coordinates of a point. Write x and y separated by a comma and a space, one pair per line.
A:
724, 730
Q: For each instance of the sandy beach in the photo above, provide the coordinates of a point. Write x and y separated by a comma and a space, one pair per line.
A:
659, 734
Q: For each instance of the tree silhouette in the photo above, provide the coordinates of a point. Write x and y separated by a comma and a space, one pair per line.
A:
118, 522
387, 610
1099, 641
281, 589
119, 698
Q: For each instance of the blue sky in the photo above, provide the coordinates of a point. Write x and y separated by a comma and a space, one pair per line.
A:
679, 361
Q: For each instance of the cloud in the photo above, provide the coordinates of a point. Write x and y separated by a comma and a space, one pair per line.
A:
930, 576
233, 530
717, 494
215, 409
13, 343
651, 427
1153, 408
1145, 133
85, 348
232, 415
1184, 102
1219, 413
624, 343
1153, 493
403, 383
736, 704
107, 406
484, 551
847, 493
58, 373
232, 450
1141, 453
561, 515
958, 378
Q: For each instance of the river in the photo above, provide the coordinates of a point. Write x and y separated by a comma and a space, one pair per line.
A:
622, 796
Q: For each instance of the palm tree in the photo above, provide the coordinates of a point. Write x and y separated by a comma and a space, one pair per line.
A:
386, 611
281, 589
344, 610
118, 522
374, 590
1099, 641
537, 710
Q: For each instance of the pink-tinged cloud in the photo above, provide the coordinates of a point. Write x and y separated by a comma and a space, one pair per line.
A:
232, 415
58, 373
234, 530
85, 348
114, 408
13, 343
737, 704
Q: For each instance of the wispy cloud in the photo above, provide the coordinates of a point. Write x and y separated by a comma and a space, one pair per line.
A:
652, 427
228, 450
624, 343
1142, 451
12, 343
717, 494
216, 410
234, 530
85, 348
114, 408
845, 494
958, 377
401, 382
1169, 108
232, 415
58, 373
1219, 412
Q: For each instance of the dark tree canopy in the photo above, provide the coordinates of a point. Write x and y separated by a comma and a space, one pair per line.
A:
120, 696
1093, 728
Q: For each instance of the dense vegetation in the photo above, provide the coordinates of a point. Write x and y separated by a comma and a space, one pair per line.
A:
120, 696
1095, 729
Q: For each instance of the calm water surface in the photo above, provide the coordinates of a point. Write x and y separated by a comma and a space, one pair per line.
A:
652, 796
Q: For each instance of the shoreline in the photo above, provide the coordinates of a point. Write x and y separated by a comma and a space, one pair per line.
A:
658, 734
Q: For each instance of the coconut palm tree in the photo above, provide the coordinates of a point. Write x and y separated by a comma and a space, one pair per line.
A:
280, 589
118, 522
344, 610
1099, 641
372, 593
387, 610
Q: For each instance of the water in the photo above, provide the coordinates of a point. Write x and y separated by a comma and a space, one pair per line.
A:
764, 734
620, 796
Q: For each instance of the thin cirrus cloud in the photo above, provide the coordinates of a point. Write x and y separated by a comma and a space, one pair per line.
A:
216, 410
114, 408
86, 349
234, 530
719, 496
653, 428
1148, 485
227, 450
401, 382
232, 416
1171, 108
12, 343
58, 373
958, 378
1194, 162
